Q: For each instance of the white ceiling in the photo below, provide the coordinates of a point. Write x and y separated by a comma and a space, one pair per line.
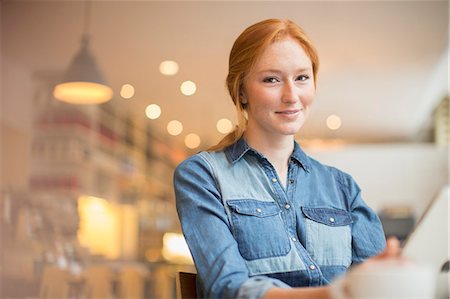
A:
383, 64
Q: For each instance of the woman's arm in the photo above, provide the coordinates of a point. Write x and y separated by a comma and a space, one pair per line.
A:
368, 237
337, 290
221, 268
299, 293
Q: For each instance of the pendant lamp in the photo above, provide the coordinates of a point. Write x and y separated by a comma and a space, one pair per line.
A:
83, 82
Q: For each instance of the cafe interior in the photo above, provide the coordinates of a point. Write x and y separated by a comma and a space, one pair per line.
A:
87, 207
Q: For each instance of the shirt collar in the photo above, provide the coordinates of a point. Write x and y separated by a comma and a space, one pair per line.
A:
238, 149
299, 155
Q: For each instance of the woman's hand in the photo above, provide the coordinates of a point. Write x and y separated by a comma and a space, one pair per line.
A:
391, 251
339, 288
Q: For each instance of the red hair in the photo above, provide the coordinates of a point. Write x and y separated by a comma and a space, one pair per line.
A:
246, 50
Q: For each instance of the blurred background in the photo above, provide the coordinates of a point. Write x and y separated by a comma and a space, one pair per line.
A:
87, 207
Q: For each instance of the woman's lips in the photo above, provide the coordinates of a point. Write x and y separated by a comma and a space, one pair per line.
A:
288, 112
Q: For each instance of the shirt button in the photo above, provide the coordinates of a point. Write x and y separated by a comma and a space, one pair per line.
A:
332, 219
291, 181
287, 206
293, 239
258, 210
312, 267
274, 180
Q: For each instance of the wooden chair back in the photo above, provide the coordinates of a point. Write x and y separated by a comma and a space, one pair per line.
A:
186, 285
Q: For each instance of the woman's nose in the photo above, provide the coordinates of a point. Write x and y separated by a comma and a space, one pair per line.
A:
290, 93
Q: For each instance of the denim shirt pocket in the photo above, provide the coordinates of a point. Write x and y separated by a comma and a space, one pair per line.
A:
328, 236
258, 228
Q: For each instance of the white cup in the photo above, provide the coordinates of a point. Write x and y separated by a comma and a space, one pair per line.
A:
442, 285
391, 280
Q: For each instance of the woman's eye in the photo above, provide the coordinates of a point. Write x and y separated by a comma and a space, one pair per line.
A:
270, 80
303, 77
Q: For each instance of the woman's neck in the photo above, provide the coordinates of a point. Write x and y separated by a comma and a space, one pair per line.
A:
276, 150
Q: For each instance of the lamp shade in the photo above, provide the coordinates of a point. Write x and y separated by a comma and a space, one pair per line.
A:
83, 82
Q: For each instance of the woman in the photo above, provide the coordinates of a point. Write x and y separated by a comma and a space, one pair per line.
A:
261, 218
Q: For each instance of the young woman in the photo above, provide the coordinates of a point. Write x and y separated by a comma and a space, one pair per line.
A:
262, 218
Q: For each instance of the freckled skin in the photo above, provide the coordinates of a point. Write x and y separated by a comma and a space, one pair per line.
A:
279, 90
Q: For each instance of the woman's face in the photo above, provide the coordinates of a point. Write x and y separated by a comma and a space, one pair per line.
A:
279, 90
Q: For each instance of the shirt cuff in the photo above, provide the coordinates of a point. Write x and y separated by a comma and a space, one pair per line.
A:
257, 286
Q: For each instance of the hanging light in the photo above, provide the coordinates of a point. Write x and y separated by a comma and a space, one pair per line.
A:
83, 82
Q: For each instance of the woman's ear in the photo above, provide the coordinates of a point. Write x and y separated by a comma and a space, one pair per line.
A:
243, 97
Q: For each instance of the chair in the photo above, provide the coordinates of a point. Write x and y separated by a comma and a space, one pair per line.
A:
186, 285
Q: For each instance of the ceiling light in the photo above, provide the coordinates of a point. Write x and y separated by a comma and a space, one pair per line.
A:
334, 122
153, 111
188, 88
192, 141
224, 126
127, 91
168, 67
83, 82
174, 127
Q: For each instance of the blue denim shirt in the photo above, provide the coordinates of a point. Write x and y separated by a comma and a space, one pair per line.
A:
247, 233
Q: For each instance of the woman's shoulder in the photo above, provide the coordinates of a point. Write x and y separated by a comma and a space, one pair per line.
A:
318, 168
340, 175
189, 162
201, 160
